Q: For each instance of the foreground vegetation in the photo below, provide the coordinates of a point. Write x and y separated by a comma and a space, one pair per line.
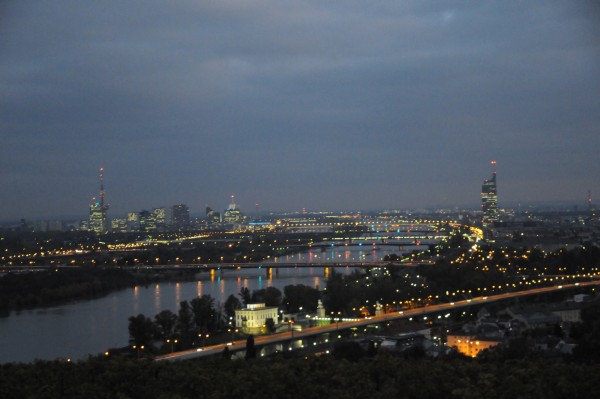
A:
384, 376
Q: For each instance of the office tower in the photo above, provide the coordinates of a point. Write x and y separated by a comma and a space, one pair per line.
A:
489, 199
181, 216
212, 216
146, 221
133, 221
162, 218
118, 225
232, 214
98, 222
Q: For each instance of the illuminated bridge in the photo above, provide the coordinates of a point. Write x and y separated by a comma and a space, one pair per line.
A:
229, 266
239, 266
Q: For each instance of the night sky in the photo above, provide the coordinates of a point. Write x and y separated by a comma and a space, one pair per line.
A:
326, 105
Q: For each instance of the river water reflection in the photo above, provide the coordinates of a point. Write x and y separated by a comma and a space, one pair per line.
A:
77, 329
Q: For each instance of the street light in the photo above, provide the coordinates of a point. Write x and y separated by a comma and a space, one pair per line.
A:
173, 342
337, 320
204, 337
139, 348
291, 324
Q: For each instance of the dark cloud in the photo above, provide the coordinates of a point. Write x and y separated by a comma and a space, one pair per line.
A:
295, 104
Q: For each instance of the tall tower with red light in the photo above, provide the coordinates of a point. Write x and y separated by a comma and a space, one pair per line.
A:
98, 208
489, 199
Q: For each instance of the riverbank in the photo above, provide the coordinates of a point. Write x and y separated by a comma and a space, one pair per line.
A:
23, 291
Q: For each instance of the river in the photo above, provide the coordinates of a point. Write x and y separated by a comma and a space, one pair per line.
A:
77, 329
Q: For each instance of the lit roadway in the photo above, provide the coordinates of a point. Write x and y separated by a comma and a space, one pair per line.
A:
287, 336
231, 266
264, 265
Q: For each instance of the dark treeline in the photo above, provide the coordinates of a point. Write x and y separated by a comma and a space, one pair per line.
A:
384, 376
47, 288
195, 321
51, 287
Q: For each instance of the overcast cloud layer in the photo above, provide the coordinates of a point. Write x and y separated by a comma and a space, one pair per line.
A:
317, 104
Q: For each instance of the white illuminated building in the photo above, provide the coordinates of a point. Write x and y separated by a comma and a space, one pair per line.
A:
252, 318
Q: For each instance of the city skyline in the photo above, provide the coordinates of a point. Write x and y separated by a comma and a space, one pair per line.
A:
311, 105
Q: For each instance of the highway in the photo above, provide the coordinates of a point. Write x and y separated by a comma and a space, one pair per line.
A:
423, 311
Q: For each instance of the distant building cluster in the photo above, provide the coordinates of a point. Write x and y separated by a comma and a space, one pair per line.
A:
176, 217
496, 225
172, 218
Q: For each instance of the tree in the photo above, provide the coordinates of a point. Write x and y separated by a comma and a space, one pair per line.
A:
185, 323
231, 305
348, 350
204, 314
587, 334
245, 296
270, 324
340, 292
226, 354
250, 348
165, 323
300, 296
270, 296
141, 330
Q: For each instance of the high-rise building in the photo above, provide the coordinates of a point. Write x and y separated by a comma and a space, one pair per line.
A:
232, 214
133, 221
146, 221
98, 221
162, 218
118, 225
181, 216
212, 216
489, 199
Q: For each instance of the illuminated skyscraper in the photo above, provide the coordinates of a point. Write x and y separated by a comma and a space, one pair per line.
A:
161, 217
233, 214
212, 216
133, 221
146, 221
489, 199
98, 222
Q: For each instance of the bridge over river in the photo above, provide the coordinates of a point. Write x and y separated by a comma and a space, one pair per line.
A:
283, 265
231, 266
